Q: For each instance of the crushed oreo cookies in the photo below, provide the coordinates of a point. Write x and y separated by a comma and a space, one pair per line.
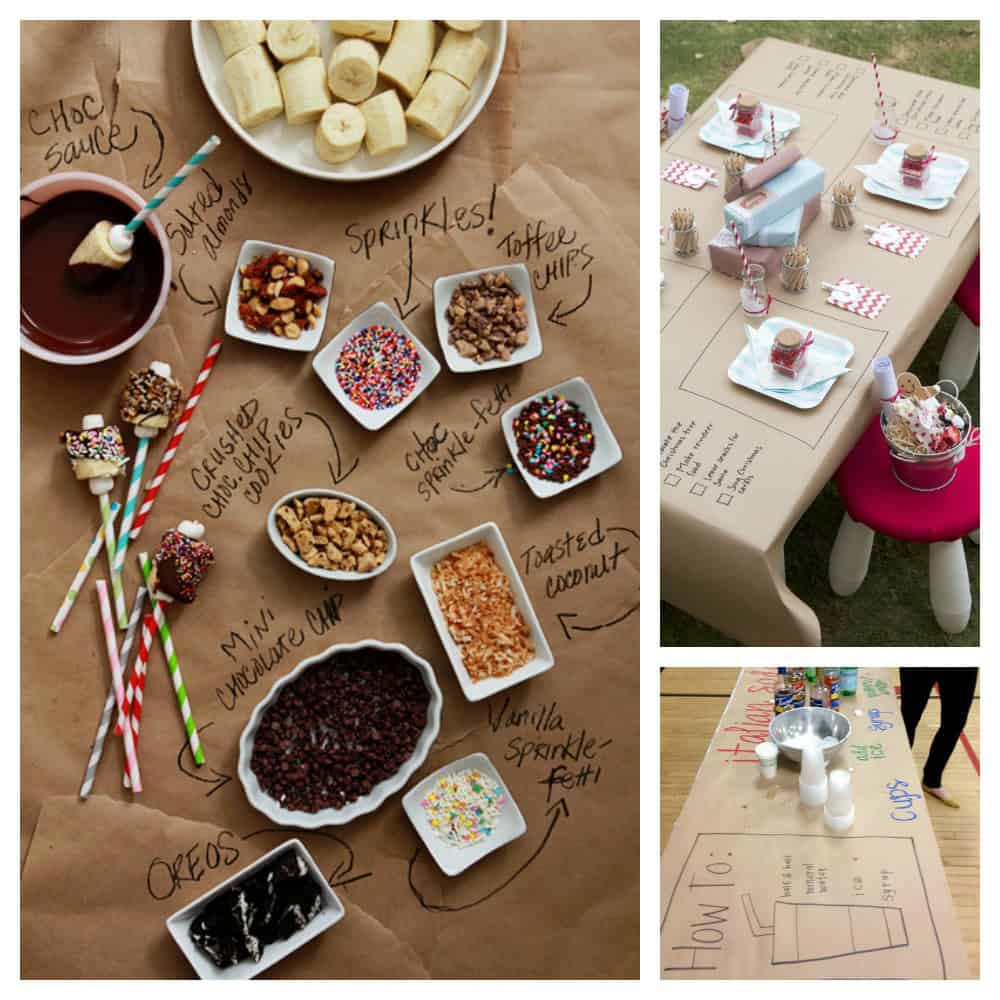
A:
331, 735
270, 905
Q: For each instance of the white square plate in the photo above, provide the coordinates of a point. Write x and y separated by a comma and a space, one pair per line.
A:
451, 859
948, 172
180, 923
830, 351
421, 563
325, 366
720, 131
607, 451
520, 278
234, 325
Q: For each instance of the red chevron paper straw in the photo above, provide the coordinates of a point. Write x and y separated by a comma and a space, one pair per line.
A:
878, 87
137, 686
152, 491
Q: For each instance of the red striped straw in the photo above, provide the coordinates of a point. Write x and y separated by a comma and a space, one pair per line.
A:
152, 491
774, 137
743, 257
137, 686
878, 87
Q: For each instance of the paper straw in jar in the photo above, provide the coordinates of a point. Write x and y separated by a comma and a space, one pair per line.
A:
121, 612
173, 664
153, 489
116, 677
131, 501
878, 88
81, 574
104, 724
743, 258
136, 687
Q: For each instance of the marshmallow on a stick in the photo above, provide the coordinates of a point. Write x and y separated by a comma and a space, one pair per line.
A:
96, 452
180, 562
151, 399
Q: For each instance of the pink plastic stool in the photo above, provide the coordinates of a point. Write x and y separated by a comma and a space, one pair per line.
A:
962, 350
875, 501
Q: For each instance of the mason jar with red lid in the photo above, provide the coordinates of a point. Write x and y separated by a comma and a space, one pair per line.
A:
788, 352
747, 114
915, 169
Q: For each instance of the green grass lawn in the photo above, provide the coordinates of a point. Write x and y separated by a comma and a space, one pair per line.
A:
893, 605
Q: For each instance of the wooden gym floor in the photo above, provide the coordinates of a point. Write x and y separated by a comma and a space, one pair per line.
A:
692, 700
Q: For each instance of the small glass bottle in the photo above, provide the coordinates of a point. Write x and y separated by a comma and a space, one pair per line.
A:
753, 294
747, 114
788, 352
884, 127
915, 168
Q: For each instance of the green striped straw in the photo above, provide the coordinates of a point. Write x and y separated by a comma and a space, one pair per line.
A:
172, 663
81, 575
107, 519
161, 196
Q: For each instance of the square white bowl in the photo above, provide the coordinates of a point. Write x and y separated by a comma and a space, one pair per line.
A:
179, 924
607, 451
451, 859
421, 563
235, 326
325, 366
520, 278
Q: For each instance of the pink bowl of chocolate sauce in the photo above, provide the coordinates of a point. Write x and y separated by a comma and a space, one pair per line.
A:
65, 321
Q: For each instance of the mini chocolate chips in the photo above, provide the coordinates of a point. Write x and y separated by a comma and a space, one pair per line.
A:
342, 727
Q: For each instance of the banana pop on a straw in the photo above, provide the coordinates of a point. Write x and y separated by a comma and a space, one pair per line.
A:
380, 78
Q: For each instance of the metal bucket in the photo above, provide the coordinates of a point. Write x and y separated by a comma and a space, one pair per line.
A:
927, 473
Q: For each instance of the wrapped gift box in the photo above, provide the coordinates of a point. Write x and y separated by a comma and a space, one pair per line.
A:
783, 232
772, 190
725, 258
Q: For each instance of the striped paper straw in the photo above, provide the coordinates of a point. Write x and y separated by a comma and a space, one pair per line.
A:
131, 501
743, 258
192, 401
116, 677
173, 664
137, 685
175, 182
81, 574
121, 612
774, 150
104, 724
878, 88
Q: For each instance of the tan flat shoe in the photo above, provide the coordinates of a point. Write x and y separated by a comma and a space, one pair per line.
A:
943, 799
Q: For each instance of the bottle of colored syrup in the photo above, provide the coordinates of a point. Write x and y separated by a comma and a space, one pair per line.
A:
798, 681
848, 681
782, 692
831, 684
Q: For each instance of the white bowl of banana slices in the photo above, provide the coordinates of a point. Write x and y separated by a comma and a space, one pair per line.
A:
349, 100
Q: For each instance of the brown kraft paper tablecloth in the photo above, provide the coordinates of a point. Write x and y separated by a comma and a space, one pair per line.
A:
754, 886
564, 897
738, 469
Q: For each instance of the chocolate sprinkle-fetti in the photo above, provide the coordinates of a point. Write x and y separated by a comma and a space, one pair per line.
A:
378, 367
555, 440
188, 561
462, 808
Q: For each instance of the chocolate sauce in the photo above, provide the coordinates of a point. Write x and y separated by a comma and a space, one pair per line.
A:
65, 315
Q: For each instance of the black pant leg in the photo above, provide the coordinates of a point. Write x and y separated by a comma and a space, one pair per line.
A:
915, 686
957, 687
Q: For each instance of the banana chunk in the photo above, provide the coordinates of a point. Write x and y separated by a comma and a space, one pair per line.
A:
96, 249
460, 55
409, 55
386, 124
374, 31
436, 108
339, 133
303, 84
464, 25
353, 71
254, 86
291, 40
235, 36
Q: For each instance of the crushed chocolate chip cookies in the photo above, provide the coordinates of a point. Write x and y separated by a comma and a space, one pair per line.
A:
332, 534
487, 318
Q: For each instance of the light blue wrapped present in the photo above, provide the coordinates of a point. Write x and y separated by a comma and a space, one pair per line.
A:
783, 232
774, 199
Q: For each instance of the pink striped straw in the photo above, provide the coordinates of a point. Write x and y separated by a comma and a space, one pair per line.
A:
878, 87
111, 641
137, 685
743, 258
152, 491
774, 137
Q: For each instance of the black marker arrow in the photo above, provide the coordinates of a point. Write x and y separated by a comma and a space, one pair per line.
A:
557, 316
151, 173
336, 469
401, 306
568, 629
634, 534
341, 874
557, 809
219, 781
494, 479
215, 302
